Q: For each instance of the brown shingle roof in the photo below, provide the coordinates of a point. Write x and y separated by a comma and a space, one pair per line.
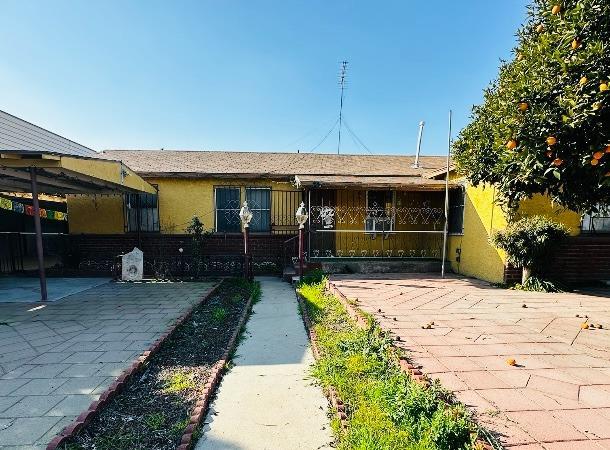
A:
224, 163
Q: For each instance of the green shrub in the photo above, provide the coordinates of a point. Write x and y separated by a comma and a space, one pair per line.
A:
536, 284
528, 242
313, 276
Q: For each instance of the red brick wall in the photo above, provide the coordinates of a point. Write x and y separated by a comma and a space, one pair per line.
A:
97, 247
579, 259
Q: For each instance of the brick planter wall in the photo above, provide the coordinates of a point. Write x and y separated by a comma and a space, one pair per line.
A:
266, 250
579, 259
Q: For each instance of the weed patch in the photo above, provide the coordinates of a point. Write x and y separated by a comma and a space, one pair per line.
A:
386, 409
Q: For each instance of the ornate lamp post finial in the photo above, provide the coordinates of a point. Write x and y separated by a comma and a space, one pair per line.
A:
245, 215
301, 217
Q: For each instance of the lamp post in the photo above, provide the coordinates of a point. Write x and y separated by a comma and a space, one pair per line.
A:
245, 215
301, 216
181, 250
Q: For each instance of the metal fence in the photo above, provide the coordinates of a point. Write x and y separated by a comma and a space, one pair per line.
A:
18, 251
383, 245
380, 224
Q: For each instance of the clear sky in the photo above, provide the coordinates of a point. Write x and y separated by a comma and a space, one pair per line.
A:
251, 75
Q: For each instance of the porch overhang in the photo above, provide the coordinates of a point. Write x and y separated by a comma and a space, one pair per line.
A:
371, 182
67, 174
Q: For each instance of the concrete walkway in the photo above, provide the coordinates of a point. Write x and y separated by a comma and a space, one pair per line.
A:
27, 289
268, 401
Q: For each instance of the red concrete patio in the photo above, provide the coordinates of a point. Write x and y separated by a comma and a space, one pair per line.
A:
558, 394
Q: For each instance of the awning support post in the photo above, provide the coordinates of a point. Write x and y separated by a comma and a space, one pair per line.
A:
38, 229
446, 229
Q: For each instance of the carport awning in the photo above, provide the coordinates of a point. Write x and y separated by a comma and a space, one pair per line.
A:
62, 166
62, 174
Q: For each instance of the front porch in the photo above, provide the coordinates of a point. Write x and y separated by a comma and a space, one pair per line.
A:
372, 228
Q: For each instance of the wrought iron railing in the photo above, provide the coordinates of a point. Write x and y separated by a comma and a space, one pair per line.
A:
389, 218
382, 245
388, 232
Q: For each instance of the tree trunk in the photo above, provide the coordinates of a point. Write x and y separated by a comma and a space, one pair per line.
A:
527, 272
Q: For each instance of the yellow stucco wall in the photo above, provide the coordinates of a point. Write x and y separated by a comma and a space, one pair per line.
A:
179, 200
95, 214
478, 257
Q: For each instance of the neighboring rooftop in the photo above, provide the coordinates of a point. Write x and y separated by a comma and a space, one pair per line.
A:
284, 165
20, 136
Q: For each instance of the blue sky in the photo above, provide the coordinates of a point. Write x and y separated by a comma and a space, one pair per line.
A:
251, 75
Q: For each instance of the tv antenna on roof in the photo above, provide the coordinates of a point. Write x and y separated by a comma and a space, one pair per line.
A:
342, 81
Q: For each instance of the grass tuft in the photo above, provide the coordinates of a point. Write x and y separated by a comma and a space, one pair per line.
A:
386, 409
178, 382
154, 421
219, 314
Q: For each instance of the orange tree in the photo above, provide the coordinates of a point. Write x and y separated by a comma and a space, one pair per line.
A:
544, 125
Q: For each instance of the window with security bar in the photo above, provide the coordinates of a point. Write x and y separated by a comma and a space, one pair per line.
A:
259, 202
456, 210
141, 212
227, 206
379, 211
598, 222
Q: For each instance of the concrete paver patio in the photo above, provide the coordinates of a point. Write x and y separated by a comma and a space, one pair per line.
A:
558, 394
56, 359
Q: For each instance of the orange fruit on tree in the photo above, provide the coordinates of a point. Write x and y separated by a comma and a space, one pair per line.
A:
556, 9
557, 162
540, 28
523, 106
511, 144
608, 149
598, 155
551, 140
583, 80
594, 162
575, 44
603, 87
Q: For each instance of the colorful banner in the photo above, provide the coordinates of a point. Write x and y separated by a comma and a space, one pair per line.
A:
11, 205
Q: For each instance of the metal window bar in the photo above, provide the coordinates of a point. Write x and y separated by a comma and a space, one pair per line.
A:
142, 212
259, 202
597, 222
227, 201
283, 208
456, 210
